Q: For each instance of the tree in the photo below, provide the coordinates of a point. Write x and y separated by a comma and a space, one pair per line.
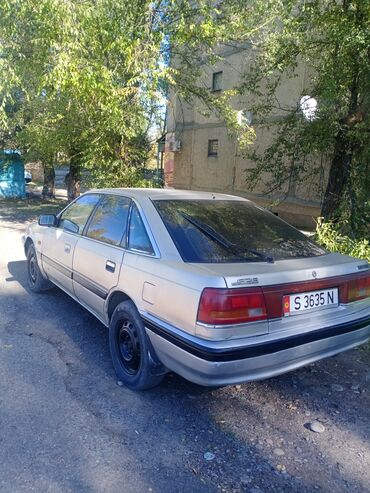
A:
331, 39
71, 62
84, 80
24, 56
92, 72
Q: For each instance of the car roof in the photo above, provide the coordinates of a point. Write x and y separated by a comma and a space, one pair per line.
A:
167, 193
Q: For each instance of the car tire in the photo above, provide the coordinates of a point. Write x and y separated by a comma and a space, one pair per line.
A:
36, 281
132, 354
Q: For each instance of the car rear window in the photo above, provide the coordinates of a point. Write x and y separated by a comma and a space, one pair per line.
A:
231, 231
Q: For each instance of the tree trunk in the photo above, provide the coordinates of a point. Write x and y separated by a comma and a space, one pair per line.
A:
73, 178
338, 176
340, 169
48, 190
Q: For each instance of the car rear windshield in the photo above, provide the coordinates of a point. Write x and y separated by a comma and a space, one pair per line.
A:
231, 231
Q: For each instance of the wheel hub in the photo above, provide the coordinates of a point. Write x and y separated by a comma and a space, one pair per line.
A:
129, 348
32, 269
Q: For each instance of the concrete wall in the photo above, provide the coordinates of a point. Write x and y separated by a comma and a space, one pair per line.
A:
192, 168
36, 170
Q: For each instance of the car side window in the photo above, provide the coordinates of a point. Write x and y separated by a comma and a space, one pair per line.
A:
74, 218
109, 220
138, 238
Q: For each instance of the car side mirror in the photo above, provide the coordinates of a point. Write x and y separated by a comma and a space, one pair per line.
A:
48, 220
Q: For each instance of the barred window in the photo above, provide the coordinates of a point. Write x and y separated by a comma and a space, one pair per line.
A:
217, 81
213, 147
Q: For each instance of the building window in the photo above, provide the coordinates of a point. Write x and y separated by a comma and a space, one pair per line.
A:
217, 81
213, 148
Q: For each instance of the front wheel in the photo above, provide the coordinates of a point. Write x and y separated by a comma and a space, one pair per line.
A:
36, 281
131, 350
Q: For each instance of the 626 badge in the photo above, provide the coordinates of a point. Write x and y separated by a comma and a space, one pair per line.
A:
313, 300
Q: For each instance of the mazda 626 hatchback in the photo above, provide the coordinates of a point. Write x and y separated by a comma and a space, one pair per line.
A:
209, 286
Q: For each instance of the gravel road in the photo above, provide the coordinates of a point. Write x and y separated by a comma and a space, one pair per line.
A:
67, 426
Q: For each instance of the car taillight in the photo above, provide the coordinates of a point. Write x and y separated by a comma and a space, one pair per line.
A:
356, 289
231, 306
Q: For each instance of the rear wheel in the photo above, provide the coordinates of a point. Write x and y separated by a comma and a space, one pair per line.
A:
131, 351
36, 281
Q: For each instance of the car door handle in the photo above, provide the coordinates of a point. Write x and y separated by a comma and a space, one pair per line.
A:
67, 248
110, 266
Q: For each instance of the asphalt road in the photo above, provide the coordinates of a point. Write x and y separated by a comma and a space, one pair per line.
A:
67, 426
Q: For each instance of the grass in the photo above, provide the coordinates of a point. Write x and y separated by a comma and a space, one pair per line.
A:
29, 209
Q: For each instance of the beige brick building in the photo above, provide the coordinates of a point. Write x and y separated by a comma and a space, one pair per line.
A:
200, 155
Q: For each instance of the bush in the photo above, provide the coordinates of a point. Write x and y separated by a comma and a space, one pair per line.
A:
116, 176
329, 236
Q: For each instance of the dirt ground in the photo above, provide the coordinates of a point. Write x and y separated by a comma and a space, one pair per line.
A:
67, 426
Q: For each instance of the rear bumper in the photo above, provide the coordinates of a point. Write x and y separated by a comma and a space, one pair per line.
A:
213, 366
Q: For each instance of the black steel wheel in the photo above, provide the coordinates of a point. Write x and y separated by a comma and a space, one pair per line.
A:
133, 357
36, 281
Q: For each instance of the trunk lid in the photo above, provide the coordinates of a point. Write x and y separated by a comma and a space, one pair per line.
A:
285, 271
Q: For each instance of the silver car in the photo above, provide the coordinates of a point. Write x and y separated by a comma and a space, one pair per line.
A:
210, 286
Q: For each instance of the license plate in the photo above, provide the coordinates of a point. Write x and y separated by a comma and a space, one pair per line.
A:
313, 300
